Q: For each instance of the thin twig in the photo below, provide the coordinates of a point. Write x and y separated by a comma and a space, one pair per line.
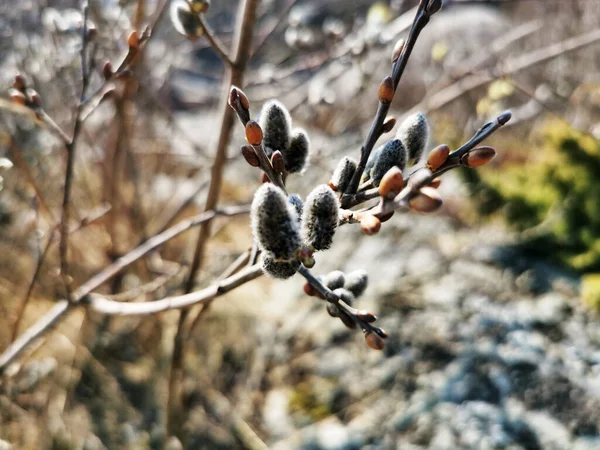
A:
111, 307
421, 19
51, 318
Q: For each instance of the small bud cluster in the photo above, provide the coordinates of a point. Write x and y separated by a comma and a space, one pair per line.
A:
23, 95
293, 144
346, 288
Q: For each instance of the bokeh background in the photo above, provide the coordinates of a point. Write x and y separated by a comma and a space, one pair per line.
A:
490, 303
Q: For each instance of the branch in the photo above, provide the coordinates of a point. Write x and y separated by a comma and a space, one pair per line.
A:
44, 324
421, 20
111, 307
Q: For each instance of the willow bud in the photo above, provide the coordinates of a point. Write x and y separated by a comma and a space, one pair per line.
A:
250, 155
277, 162
478, 156
386, 90
370, 224
437, 157
184, 20
275, 222
343, 174
296, 155
393, 153
392, 182
397, 50
374, 341
279, 269
388, 125
427, 200
356, 282
334, 280
414, 134
254, 133
320, 217
276, 123
345, 295
133, 40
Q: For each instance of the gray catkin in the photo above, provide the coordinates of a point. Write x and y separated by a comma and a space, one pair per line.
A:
296, 155
279, 269
343, 173
320, 217
414, 134
356, 282
334, 280
275, 222
371, 162
393, 153
276, 123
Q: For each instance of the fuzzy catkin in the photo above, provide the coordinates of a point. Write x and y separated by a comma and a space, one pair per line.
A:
275, 222
296, 155
393, 153
334, 280
320, 217
414, 134
371, 162
276, 124
356, 282
279, 269
343, 173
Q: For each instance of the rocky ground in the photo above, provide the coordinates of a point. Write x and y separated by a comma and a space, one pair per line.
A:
488, 349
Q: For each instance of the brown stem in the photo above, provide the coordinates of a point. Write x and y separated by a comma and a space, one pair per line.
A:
234, 76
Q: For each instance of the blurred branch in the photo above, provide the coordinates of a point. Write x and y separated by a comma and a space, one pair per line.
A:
52, 317
111, 307
511, 67
241, 47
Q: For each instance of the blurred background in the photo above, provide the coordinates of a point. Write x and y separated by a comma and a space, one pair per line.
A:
491, 303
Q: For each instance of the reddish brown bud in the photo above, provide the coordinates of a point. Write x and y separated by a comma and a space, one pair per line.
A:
107, 70
381, 332
374, 341
133, 40
250, 155
388, 125
392, 182
370, 224
478, 156
386, 90
427, 200
277, 162
309, 289
438, 156
367, 316
254, 133
397, 50
19, 82
332, 186
435, 183
17, 96
264, 178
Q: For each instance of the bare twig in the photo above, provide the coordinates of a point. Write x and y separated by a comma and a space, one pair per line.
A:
111, 307
510, 67
51, 318
421, 19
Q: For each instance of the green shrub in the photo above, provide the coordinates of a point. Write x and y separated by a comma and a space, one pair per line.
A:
554, 196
